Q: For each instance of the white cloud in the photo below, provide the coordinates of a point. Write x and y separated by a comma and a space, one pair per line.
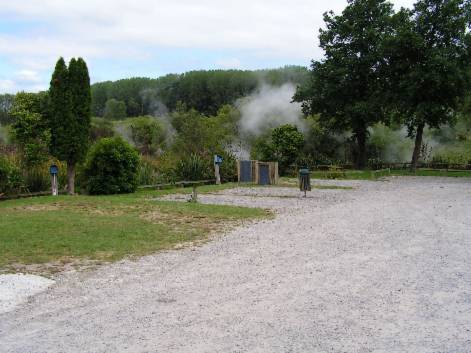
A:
28, 76
106, 29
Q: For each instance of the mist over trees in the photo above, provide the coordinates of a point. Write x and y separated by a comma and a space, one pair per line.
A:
205, 91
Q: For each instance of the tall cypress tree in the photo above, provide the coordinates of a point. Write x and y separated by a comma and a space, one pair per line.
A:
70, 115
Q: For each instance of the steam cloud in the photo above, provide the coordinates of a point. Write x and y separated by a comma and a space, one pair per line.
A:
269, 107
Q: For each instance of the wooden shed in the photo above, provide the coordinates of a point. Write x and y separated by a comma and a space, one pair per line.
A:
257, 172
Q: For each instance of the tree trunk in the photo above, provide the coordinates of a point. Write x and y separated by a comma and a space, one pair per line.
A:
361, 143
417, 147
71, 178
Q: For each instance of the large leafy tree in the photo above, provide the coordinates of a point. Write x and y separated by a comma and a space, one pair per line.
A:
345, 87
428, 58
30, 129
69, 94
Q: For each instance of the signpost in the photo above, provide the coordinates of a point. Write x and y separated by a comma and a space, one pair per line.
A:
217, 162
54, 170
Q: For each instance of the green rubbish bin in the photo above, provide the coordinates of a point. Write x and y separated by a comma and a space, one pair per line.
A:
304, 180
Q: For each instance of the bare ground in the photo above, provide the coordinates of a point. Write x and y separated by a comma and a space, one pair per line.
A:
384, 267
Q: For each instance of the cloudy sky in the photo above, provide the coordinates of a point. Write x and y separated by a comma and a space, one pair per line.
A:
125, 38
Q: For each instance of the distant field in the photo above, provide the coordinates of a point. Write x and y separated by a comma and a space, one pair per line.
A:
54, 231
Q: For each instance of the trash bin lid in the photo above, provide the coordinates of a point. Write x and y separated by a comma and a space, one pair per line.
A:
304, 171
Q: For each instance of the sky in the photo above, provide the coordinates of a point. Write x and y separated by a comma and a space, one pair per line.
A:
129, 38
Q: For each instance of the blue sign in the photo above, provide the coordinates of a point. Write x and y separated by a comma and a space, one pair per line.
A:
54, 169
218, 159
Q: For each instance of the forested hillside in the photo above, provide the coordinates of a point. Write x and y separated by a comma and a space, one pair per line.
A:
205, 91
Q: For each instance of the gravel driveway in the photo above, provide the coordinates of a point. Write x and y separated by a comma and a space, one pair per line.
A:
385, 267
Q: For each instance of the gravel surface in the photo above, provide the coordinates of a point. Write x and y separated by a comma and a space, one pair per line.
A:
15, 289
381, 268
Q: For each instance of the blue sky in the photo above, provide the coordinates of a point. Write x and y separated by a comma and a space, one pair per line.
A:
123, 38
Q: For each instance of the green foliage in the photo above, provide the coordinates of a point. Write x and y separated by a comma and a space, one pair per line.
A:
193, 168
228, 169
100, 128
287, 143
284, 146
79, 86
10, 176
147, 134
60, 112
114, 109
345, 88
204, 91
204, 135
428, 58
389, 144
321, 145
111, 167
69, 119
31, 131
148, 173
69, 114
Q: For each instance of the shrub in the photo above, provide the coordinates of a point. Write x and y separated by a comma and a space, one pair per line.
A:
111, 167
37, 177
228, 169
100, 128
147, 134
10, 177
193, 168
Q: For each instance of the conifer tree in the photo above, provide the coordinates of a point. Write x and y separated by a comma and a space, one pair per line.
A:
69, 94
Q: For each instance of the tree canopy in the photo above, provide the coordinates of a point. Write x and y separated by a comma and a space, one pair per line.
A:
345, 87
428, 58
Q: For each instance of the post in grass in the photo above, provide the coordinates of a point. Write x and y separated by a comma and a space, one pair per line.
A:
54, 171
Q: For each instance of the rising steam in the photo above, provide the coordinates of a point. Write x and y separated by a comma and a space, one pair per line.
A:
269, 107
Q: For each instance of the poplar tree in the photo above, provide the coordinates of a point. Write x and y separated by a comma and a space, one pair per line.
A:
69, 94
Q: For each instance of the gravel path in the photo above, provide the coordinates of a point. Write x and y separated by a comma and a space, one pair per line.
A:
381, 268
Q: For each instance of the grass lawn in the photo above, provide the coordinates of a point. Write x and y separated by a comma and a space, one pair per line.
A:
62, 230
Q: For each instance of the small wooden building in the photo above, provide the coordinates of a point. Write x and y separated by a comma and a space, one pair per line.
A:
257, 172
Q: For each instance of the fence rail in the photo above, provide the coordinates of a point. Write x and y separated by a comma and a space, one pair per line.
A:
182, 184
4, 197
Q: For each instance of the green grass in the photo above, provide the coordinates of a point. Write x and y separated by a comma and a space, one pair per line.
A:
67, 229
370, 175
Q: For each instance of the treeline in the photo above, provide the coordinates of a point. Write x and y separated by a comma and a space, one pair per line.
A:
409, 68
204, 91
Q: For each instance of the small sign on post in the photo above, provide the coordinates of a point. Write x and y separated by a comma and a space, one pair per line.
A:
217, 162
54, 170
